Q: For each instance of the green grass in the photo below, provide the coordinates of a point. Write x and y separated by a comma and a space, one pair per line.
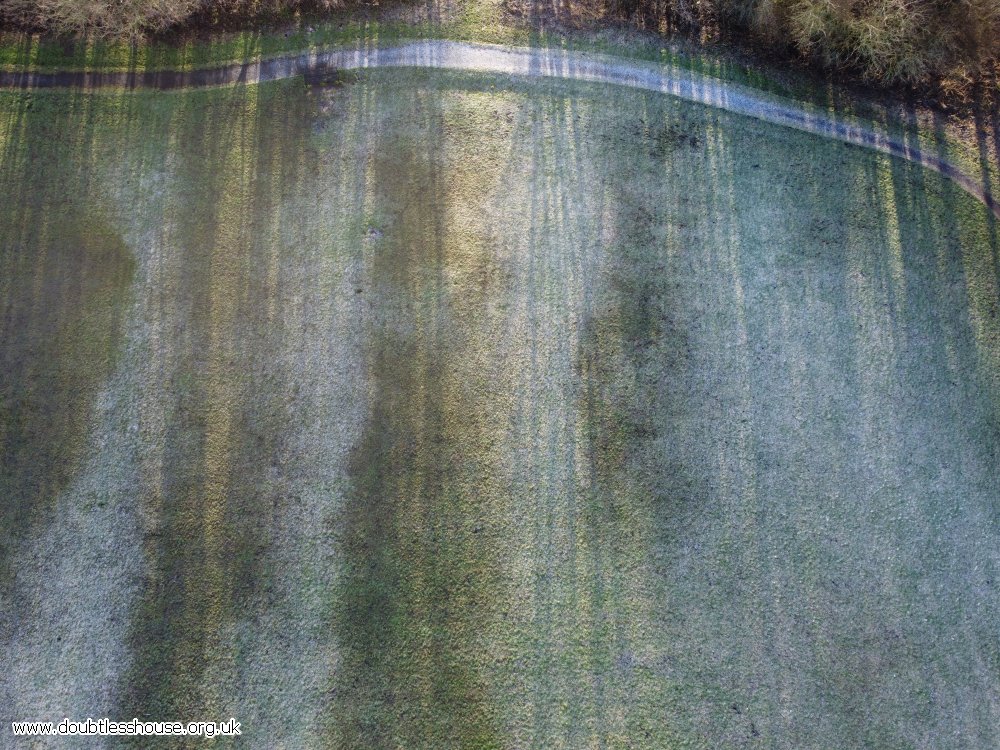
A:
62, 283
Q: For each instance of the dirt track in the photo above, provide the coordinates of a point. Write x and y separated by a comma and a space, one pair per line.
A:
579, 66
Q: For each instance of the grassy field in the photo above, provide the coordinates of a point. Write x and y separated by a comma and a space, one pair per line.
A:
440, 411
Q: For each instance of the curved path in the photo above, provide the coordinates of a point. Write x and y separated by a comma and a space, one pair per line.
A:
579, 66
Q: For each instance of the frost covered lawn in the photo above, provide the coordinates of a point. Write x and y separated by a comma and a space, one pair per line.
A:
432, 410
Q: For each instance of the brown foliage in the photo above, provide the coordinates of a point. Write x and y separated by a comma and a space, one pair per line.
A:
113, 18
890, 41
130, 19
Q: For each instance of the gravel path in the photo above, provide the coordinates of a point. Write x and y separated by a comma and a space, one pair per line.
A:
579, 66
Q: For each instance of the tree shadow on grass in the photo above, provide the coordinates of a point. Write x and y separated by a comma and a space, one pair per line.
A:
420, 571
65, 276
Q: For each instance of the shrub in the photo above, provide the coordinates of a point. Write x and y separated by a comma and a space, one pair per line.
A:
886, 40
113, 18
895, 40
129, 19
